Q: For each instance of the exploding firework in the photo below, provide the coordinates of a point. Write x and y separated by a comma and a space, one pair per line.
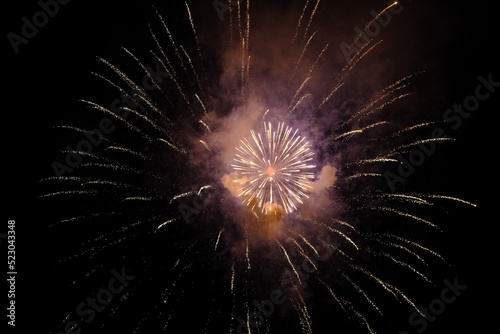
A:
177, 136
276, 168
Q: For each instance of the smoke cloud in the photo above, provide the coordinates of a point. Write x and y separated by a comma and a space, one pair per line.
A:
326, 179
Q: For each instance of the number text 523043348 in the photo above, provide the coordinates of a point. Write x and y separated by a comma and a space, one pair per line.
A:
11, 272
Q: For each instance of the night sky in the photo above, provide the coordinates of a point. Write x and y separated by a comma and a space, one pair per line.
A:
453, 43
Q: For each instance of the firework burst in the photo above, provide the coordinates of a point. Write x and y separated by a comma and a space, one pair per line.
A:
175, 136
276, 167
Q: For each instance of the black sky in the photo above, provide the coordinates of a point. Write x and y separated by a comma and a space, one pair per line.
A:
454, 42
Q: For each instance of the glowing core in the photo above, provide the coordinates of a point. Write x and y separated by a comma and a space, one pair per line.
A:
276, 167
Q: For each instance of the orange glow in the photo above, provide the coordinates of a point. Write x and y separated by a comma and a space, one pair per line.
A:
271, 171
